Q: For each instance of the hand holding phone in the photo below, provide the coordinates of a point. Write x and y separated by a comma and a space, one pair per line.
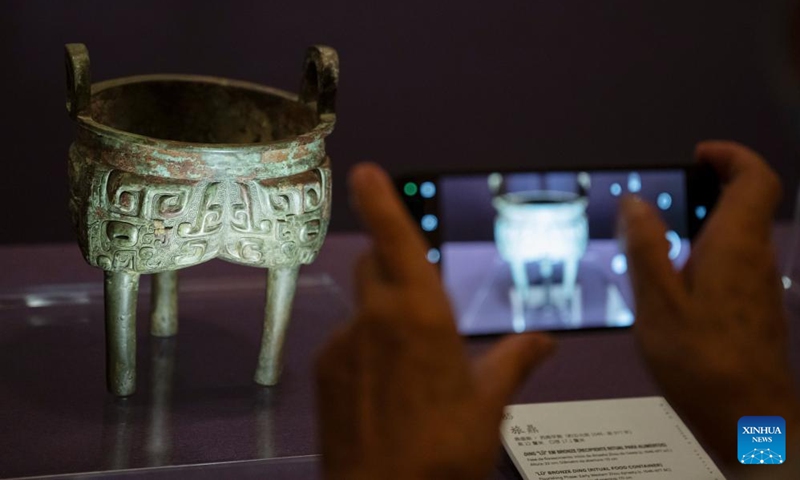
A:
715, 334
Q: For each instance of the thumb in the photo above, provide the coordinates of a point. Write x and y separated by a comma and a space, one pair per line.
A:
502, 369
642, 237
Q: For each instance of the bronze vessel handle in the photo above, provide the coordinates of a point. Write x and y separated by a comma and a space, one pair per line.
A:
79, 79
320, 79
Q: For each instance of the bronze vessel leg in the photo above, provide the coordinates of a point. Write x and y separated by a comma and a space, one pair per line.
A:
121, 292
164, 304
281, 285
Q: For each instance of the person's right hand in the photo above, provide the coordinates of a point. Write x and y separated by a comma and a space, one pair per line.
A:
398, 396
715, 334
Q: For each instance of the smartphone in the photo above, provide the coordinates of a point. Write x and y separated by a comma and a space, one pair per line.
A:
536, 250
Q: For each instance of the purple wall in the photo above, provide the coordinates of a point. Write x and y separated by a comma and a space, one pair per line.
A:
481, 84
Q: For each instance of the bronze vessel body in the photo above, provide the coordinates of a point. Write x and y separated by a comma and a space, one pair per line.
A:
170, 171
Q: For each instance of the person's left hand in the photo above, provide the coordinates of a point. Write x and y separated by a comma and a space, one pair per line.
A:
397, 395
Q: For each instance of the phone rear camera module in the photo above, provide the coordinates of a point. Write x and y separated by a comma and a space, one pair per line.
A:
700, 212
429, 222
427, 189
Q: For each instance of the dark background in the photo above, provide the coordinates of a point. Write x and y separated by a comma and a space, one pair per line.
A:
423, 84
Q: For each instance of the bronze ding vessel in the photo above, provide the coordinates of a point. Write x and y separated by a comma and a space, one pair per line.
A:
170, 171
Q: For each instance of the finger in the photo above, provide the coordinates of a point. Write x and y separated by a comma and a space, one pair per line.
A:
338, 396
397, 241
368, 275
502, 370
374, 298
752, 190
642, 236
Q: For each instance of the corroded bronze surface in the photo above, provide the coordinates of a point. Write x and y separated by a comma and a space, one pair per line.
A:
169, 171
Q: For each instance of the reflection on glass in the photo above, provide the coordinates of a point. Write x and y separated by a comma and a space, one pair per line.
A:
117, 433
120, 415
122, 426
162, 359
265, 439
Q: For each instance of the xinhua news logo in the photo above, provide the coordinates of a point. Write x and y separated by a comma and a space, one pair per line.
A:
762, 440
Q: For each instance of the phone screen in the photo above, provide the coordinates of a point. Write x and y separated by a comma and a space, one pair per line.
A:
537, 251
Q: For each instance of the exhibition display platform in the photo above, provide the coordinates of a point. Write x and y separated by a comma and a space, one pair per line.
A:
197, 412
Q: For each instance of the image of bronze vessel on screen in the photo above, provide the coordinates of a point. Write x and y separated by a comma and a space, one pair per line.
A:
170, 171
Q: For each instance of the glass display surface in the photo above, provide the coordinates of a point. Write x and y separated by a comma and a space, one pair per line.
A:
196, 401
